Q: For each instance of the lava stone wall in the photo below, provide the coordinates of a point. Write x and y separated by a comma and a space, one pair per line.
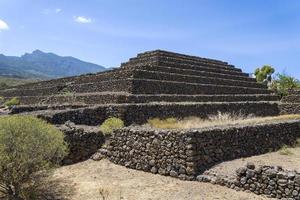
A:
216, 145
125, 98
148, 86
290, 104
145, 74
187, 153
140, 113
83, 142
157, 151
289, 108
271, 181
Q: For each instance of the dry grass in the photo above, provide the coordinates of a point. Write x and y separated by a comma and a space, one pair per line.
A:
103, 180
287, 150
220, 119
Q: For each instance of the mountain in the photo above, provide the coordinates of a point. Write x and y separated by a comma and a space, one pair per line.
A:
41, 65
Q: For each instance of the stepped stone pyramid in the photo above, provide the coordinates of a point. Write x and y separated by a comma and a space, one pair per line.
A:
153, 84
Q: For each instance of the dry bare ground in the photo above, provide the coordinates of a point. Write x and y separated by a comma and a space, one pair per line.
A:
99, 180
288, 162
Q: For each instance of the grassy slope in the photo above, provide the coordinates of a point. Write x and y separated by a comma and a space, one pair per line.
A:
14, 81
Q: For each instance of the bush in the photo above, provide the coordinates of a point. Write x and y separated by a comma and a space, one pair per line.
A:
110, 124
27, 146
12, 102
283, 83
264, 73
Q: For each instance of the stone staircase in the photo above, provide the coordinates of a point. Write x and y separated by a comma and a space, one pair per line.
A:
158, 79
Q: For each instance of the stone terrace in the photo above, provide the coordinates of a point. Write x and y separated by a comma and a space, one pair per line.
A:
168, 84
291, 104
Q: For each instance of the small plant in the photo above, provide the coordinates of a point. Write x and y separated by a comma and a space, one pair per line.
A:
68, 94
111, 124
28, 146
284, 150
12, 102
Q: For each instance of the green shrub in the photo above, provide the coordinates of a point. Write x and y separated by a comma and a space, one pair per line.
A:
264, 73
27, 145
110, 124
12, 102
283, 83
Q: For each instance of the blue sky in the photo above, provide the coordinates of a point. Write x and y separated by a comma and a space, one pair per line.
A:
247, 34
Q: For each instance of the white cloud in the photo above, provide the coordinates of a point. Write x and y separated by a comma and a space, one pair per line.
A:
57, 10
82, 19
3, 25
51, 11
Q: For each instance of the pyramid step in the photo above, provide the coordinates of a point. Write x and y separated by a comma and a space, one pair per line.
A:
196, 73
177, 63
157, 75
157, 60
185, 66
70, 80
168, 75
178, 55
119, 97
140, 113
147, 86
122, 85
160, 56
136, 86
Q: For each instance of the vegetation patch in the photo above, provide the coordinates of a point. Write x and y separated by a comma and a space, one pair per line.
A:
169, 123
28, 146
12, 102
287, 150
111, 124
219, 119
6, 82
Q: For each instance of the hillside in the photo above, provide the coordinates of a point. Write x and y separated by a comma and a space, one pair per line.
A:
6, 82
41, 65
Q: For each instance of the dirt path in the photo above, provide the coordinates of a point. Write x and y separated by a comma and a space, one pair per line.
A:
92, 180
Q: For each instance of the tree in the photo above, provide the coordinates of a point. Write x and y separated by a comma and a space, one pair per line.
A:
264, 73
283, 83
27, 146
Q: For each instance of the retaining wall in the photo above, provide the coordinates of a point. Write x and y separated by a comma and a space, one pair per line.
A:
83, 141
105, 98
271, 181
140, 113
187, 153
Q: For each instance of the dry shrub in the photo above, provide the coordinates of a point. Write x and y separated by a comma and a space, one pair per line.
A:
169, 123
285, 150
219, 119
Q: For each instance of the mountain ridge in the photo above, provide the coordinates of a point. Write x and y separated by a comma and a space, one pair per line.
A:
42, 65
